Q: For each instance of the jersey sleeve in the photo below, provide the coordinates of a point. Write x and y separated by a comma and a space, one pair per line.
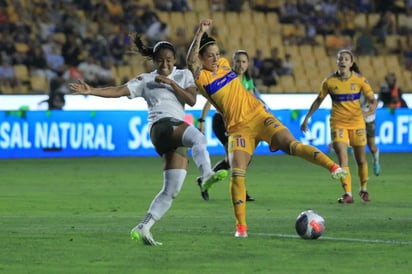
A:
366, 87
135, 87
189, 80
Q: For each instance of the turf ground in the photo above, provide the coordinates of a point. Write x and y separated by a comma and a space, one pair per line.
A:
74, 216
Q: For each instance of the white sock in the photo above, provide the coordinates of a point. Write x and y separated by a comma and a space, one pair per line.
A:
193, 138
173, 182
376, 156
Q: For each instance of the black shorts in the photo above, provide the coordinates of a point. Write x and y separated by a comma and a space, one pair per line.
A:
370, 129
219, 128
161, 136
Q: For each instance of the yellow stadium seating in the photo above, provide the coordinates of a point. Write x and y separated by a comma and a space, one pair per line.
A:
39, 84
21, 72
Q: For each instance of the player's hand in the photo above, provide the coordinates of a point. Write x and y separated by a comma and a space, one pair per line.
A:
205, 24
163, 79
304, 126
79, 88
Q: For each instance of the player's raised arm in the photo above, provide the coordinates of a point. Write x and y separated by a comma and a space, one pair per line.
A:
192, 58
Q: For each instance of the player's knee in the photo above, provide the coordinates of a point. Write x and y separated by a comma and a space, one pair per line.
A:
293, 146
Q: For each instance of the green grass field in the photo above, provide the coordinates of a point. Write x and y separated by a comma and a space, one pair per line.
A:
74, 216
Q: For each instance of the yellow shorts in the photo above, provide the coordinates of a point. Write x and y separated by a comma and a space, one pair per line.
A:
260, 128
353, 137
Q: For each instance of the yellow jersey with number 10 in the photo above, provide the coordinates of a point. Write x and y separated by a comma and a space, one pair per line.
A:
346, 110
225, 92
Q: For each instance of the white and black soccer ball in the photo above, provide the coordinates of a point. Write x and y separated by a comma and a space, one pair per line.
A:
310, 225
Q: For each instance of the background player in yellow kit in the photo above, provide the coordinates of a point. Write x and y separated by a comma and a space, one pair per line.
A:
247, 120
346, 121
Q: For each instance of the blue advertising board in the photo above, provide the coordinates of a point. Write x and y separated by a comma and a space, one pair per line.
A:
35, 134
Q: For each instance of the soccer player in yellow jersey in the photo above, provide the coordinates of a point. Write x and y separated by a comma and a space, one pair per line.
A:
246, 119
347, 123
240, 65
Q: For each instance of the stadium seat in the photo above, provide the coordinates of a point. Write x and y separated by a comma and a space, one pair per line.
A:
306, 51
124, 73
164, 16
21, 47
200, 6
233, 20
378, 62
287, 83
60, 37
39, 84
22, 73
302, 85
176, 20
191, 19
259, 18
373, 19
246, 19
361, 21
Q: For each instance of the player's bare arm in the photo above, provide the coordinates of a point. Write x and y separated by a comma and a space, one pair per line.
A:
205, 111
188, 95
192, 58
315, 105
108, 92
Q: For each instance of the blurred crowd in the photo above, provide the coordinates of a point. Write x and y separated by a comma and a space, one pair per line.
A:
68, 40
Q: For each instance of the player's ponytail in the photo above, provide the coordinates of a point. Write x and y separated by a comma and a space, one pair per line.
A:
139, 47
355, 68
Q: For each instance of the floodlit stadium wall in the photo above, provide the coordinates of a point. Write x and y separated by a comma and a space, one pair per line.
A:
27, 132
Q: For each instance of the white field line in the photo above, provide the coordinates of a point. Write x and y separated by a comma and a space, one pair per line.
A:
371, 241
80, 227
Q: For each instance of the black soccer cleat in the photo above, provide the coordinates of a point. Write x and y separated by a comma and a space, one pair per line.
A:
249, 198
203, 193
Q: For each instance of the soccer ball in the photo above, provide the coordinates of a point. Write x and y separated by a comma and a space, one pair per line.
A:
310, 225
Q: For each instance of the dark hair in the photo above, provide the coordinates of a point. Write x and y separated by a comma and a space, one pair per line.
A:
354, 66
244, 52
205, 41
139, 47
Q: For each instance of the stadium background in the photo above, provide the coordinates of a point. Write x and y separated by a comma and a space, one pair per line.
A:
249, 25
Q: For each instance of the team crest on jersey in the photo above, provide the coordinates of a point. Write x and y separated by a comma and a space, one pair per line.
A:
352, 86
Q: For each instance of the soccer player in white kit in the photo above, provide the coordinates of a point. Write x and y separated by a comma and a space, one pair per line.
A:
166, 91
370, 134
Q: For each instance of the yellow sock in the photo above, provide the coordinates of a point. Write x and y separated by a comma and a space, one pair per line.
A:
311, 154
347, 181
363, 176
238, 192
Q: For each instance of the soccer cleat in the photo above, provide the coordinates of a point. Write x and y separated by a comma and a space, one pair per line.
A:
203, 193
337, 172
241, 231
364, 196
346, 199
376, 168
249, 198
214, 178
140, 234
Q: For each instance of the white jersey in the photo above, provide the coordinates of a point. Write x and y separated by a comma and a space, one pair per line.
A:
161, 98
365, 108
